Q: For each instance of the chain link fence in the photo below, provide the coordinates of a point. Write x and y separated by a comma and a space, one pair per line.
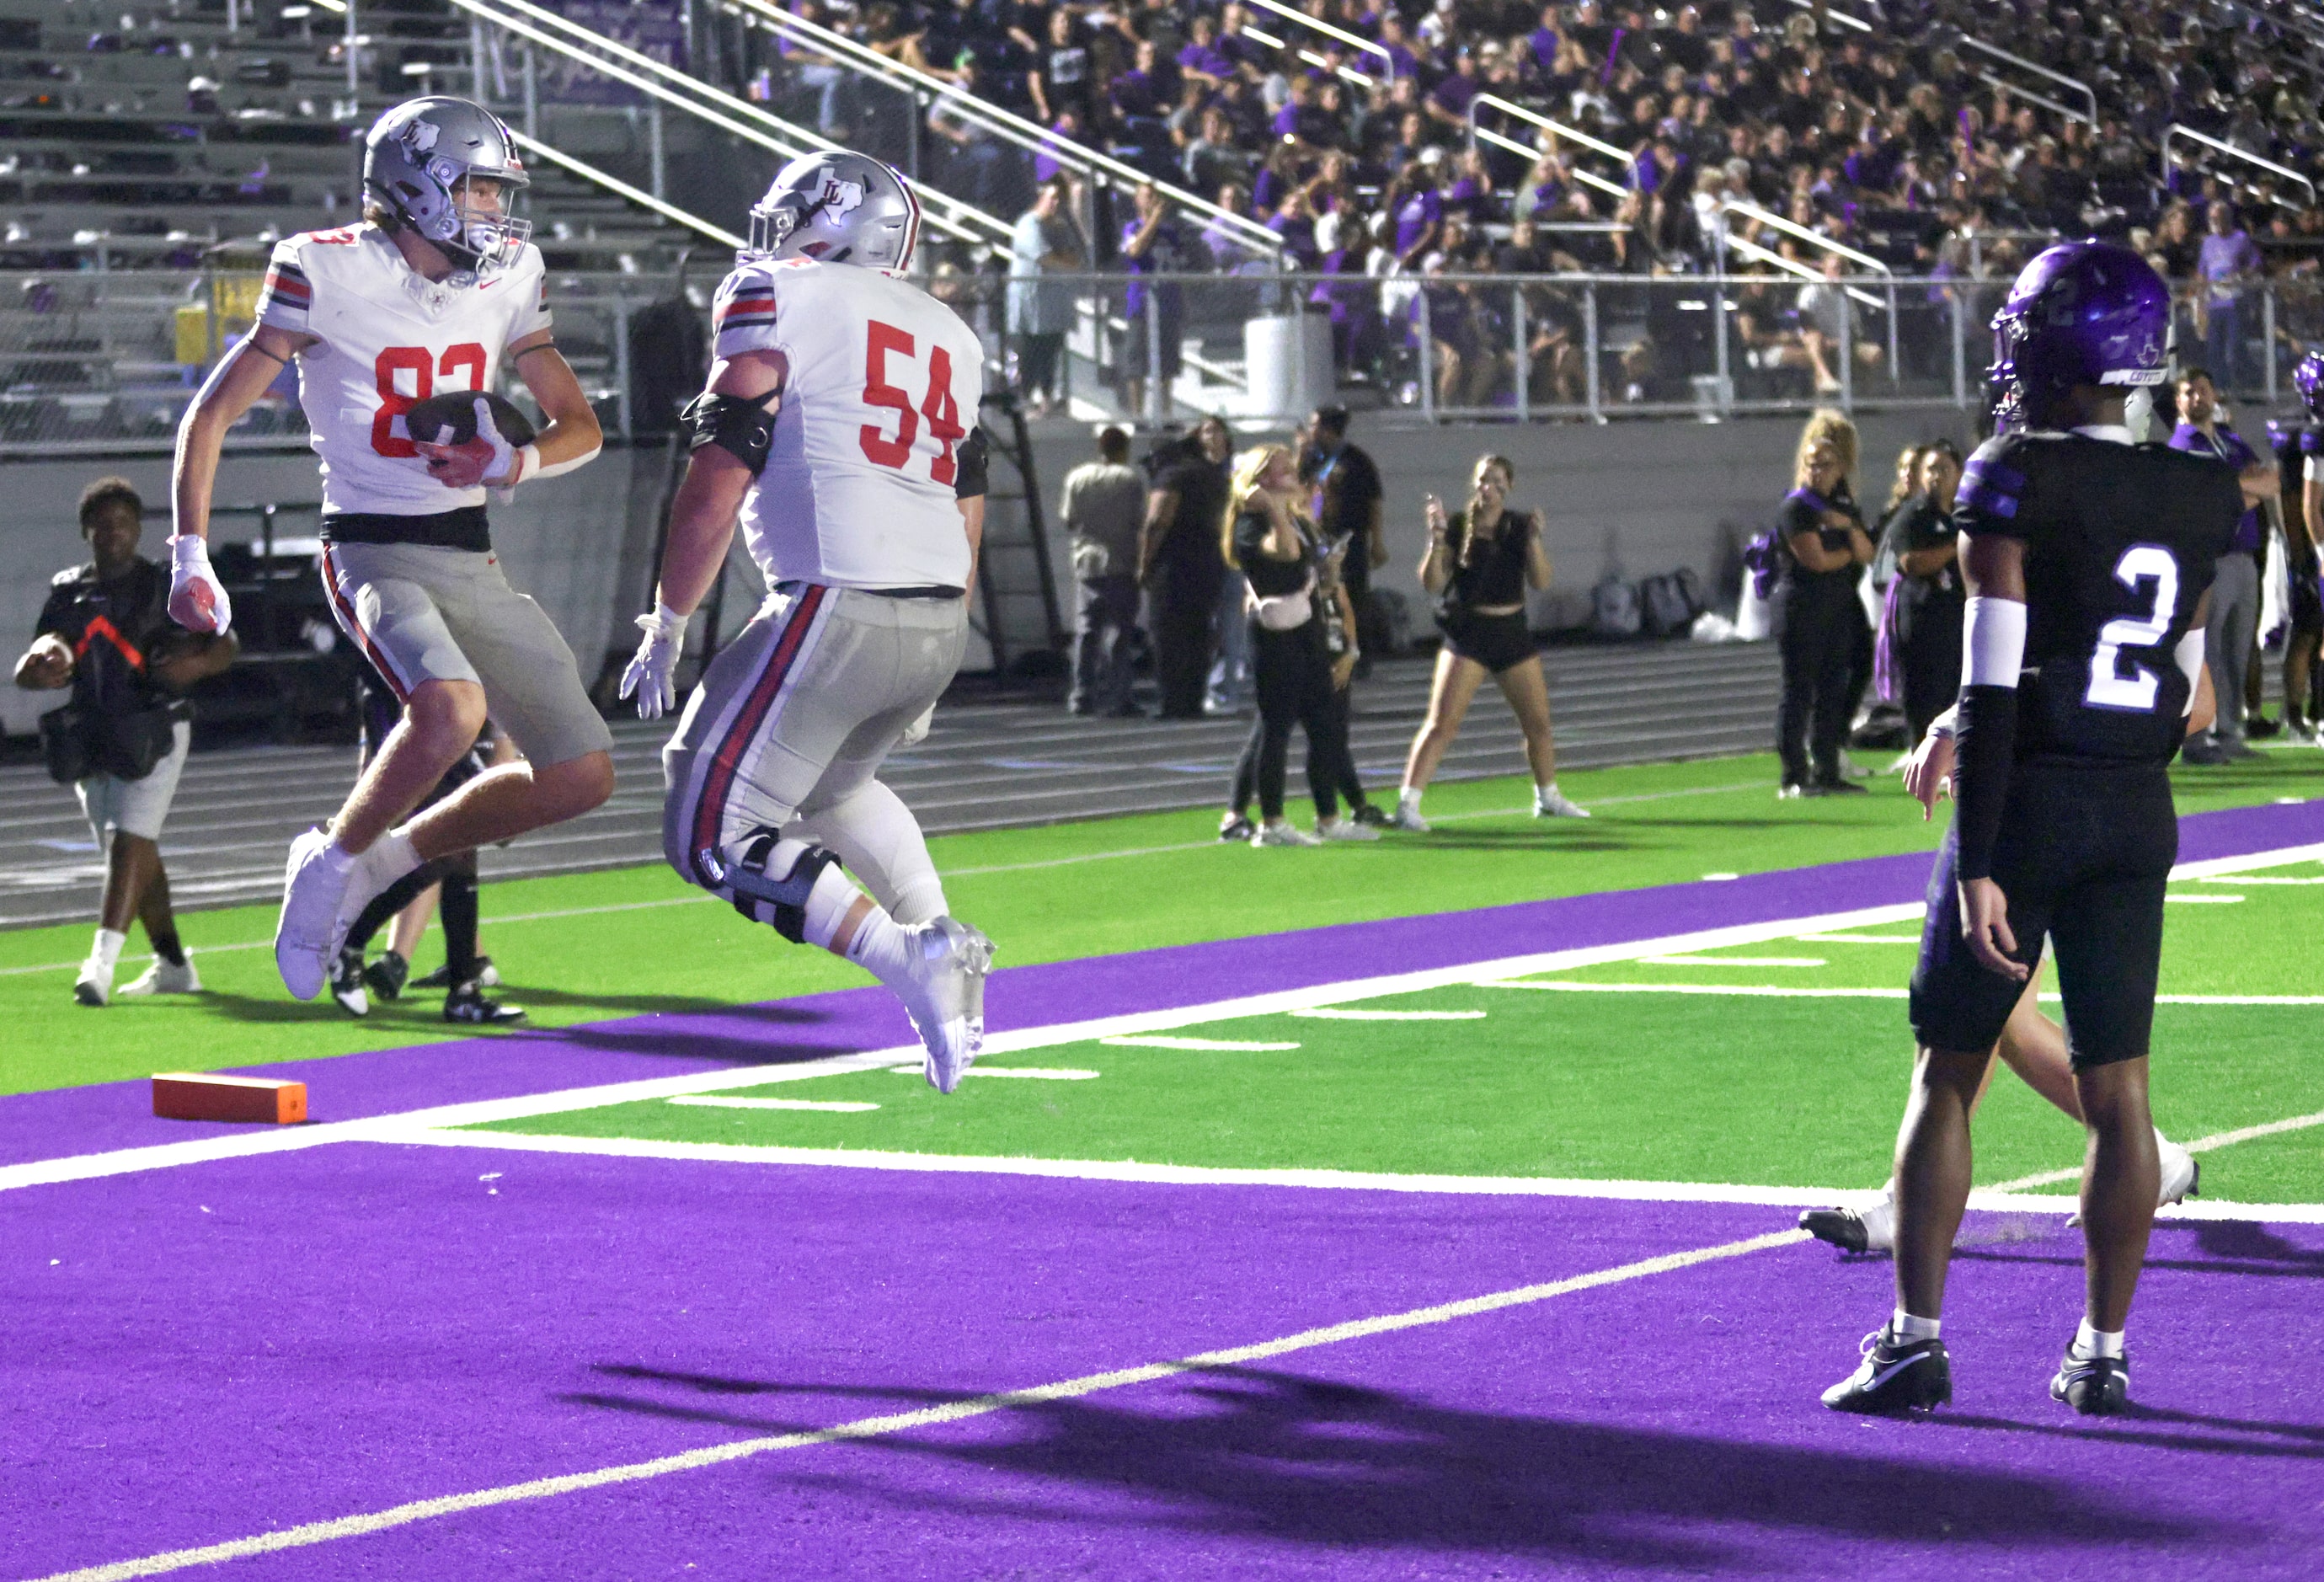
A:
109, 361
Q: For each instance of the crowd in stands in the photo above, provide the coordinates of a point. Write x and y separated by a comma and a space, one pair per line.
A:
1892, 139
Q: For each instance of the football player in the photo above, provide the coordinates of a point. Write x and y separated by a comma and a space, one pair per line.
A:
433, 293
839, 420
2088, 561
2031, 1044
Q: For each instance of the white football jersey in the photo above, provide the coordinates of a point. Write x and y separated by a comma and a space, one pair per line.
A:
390, 337
858, 488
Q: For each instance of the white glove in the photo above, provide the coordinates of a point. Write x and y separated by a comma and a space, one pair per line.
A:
652, 673
918, 731
197, 600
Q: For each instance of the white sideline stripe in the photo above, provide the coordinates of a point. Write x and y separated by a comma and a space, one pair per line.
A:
1858, 938
525, 1106
1733, 961
872, 1428
1780, 992
1155, 1041
2007, 1197
1335, 1014
1093, 857
838, 1107
2258, 879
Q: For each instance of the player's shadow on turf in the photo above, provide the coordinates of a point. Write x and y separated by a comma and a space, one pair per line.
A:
1291, 1459
2125, 1428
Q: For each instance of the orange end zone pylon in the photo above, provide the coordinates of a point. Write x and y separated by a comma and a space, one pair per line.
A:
194, 1095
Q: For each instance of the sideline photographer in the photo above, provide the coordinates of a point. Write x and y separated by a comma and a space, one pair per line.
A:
121, 741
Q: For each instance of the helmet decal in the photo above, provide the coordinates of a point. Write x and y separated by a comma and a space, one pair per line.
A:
837, 207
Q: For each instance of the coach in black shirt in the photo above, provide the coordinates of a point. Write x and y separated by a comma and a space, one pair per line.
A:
1346, 504
1824, 550
1179, 564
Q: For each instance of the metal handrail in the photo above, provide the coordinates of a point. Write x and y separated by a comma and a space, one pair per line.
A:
620, 189
1571, 133
1014, 128
1356, 40
706, 103
2178, 129
2038, 70
1793, 228
1587, 178
1750, 249
1858, 23
2027, 94
1344, 73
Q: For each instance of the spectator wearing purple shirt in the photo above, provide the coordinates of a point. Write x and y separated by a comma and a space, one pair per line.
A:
1416, 207
2228, 258
1202, 58
1449, 101
1150, 246
2231, 636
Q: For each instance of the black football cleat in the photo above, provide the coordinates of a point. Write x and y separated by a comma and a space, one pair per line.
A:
385, 978
2095, 1386
1371, 818
1842, 1227
468, 1006
346, 982
1896, 1376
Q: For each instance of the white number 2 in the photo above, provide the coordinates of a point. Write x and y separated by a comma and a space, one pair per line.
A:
2151, 567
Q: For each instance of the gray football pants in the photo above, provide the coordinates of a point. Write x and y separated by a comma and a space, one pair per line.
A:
789, 724
2228, 640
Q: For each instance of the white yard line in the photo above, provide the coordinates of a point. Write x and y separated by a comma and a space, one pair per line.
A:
2199, 1145
721, 1102
311, 1533
1732, 961
1336, 1014
2008, 1197
1166, 1042
1858, 938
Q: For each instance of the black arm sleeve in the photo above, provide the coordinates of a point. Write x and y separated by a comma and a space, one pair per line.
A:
1985, 746
740, 425
971, 462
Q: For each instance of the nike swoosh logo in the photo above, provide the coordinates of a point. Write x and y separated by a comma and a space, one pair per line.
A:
1892, 1369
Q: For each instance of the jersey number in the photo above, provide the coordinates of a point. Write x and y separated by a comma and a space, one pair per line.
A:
882, 341
2144, 567
422, 365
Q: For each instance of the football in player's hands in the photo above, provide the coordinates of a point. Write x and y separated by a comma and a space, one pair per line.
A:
467, 437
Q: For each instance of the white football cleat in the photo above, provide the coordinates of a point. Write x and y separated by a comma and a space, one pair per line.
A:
1282, 832
94, 986
1345, 829
308, 934
165, 978
943, 993
1554, 803
1406, 818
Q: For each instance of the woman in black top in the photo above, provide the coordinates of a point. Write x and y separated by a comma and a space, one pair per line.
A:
1824, 549
1926, 600
1265, 535
1479, 566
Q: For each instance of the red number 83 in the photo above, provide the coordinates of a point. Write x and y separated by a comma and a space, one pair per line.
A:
422, 365
942, 411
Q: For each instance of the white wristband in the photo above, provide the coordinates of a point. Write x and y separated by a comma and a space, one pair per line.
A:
2189, 654
1993, 643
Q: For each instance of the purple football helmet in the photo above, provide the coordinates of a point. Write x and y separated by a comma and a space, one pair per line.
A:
2080, 313
2309, 380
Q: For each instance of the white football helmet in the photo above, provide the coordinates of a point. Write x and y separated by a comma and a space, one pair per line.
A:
417, 160
837, 208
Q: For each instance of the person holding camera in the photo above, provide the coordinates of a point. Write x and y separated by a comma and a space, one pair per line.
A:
1478, 566
120, 742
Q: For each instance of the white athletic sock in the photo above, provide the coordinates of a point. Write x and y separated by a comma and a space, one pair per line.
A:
106, 951
1543, 789
1908, 1327
2090, 1343
1408, 801
880, 946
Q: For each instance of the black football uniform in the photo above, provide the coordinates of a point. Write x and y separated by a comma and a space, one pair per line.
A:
2296, 445
2120, 544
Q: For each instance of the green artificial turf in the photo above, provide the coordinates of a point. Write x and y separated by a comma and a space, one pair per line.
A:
1058, 893
1655, 1087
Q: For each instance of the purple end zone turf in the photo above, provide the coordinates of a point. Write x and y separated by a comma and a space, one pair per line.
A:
80, 1120
257, 1344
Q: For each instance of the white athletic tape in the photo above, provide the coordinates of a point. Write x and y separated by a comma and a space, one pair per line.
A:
872, 1428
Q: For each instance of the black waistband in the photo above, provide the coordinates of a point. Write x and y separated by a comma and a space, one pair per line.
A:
463, 529
933, 591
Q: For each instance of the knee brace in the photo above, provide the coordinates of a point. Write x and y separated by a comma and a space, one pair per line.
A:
750, 886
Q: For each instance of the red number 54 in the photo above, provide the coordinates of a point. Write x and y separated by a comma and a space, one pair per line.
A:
942, 411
